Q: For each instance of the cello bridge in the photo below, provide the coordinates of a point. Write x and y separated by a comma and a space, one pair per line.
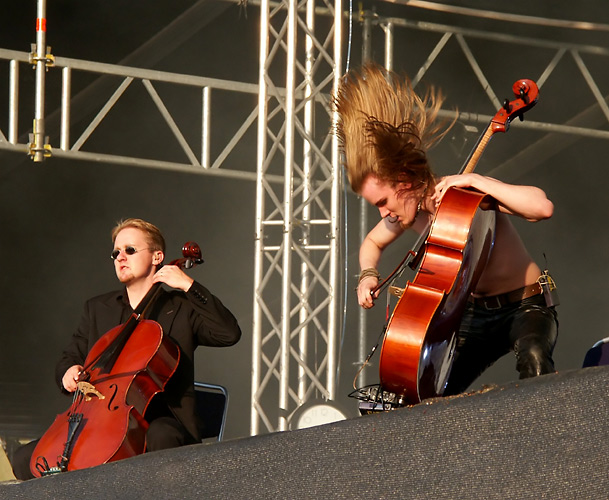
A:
397, 291
88, 391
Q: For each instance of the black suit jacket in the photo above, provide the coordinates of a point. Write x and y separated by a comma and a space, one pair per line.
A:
190, 319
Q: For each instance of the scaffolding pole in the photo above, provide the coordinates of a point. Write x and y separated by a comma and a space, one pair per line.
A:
295, 355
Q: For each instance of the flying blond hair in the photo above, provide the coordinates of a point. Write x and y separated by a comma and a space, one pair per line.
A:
385, 128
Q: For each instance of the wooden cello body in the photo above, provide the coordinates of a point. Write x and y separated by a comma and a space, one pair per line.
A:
122, 372
108, 414
420, 340
421, 335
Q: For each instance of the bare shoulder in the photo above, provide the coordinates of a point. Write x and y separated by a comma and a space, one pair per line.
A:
385, 232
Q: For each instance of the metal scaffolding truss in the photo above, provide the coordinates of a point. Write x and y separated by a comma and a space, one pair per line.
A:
298, 228
554, 52
294, 357
194, 156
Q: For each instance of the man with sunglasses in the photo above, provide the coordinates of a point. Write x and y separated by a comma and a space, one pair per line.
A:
189, 314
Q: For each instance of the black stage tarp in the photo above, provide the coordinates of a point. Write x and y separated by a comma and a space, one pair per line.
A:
542, 438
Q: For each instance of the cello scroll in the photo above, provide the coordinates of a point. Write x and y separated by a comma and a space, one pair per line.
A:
526, 93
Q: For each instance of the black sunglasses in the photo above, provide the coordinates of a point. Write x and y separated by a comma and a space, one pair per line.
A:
128, 250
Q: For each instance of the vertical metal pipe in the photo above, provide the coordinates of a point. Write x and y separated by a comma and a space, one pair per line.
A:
335, 212
66, 90
13, 99
259, 229
363, 212
37, 146
205, 127
303, 335
366, 36
389, 46
288, 189
361, 330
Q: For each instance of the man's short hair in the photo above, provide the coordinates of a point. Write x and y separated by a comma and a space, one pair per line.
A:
153, 233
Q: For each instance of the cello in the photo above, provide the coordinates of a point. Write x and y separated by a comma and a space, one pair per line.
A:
123, 371
421, 334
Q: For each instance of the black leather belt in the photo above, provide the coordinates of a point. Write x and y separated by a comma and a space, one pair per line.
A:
503, 299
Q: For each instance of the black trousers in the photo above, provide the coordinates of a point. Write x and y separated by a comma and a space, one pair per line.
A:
163, 433
529, 328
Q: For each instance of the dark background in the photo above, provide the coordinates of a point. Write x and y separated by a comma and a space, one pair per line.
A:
56, 216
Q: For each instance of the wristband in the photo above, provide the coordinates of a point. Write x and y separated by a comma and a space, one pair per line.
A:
370, 271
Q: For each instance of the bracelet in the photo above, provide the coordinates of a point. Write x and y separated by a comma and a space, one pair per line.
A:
366, 273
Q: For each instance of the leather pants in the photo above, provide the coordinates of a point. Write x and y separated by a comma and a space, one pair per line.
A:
529, 328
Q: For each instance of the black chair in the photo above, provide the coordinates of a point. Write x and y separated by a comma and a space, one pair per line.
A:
212, 407
598, 354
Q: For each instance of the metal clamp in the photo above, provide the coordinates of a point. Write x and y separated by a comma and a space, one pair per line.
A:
34, 58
